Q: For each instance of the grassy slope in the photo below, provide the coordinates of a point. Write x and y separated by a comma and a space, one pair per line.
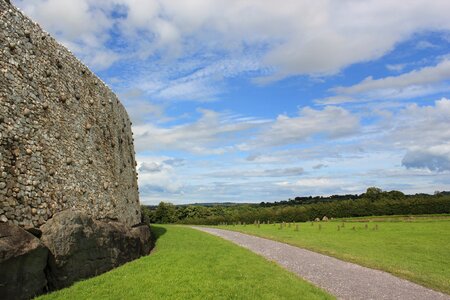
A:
188, 264
417, 249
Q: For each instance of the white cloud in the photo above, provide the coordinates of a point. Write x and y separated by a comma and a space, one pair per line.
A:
331, 122
407, 150
425, 45
102, 58
205, 82
321, 186
81, 25
157, 175
212, 133
150, 167
422, 126
218, 133
298, 37
396, 67
425, 81
423, 132
426, 75
435, 158
313, 183
282, 172
200, 79
140, 109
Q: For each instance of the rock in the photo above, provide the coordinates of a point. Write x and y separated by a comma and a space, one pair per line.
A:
142, 231
22, 262
82, 247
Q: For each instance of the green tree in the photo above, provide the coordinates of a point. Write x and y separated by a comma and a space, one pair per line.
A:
396, 195
165, 213
373, 193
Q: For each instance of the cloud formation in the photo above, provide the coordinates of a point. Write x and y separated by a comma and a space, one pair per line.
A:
217, 133
294, 38
411, 144
424, 132
424, 81
332, 122
159, 174
284, 172
433, 159
422, 126
212, 133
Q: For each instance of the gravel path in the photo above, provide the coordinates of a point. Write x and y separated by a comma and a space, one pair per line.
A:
343, 279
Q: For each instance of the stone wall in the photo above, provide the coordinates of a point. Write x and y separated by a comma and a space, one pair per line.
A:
65, 139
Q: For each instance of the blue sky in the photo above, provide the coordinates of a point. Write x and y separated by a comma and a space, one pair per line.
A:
251, 101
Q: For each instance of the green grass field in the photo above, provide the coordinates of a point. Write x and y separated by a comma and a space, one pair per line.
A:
415, 248
188, 264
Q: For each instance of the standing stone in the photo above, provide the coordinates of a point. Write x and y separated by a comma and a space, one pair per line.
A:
22, 262
82, 247
142, 232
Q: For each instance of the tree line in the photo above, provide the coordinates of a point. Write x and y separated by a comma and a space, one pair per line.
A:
371, 203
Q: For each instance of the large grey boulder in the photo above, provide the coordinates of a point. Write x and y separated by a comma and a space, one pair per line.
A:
82, 247
22, 262
142, 232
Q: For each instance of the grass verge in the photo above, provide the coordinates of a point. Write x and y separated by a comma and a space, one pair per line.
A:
417, 249
188, 264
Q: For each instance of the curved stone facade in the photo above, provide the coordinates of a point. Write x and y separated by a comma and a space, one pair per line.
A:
65, 139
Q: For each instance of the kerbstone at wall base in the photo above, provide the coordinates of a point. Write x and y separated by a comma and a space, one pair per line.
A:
82, 247
142, 232
23, 259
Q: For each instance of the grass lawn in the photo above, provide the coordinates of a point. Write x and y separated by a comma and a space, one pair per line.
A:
188, 264
417, 248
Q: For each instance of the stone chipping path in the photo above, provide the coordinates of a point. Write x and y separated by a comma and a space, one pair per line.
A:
343, 279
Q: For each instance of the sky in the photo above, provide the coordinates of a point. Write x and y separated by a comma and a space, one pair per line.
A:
265, 100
